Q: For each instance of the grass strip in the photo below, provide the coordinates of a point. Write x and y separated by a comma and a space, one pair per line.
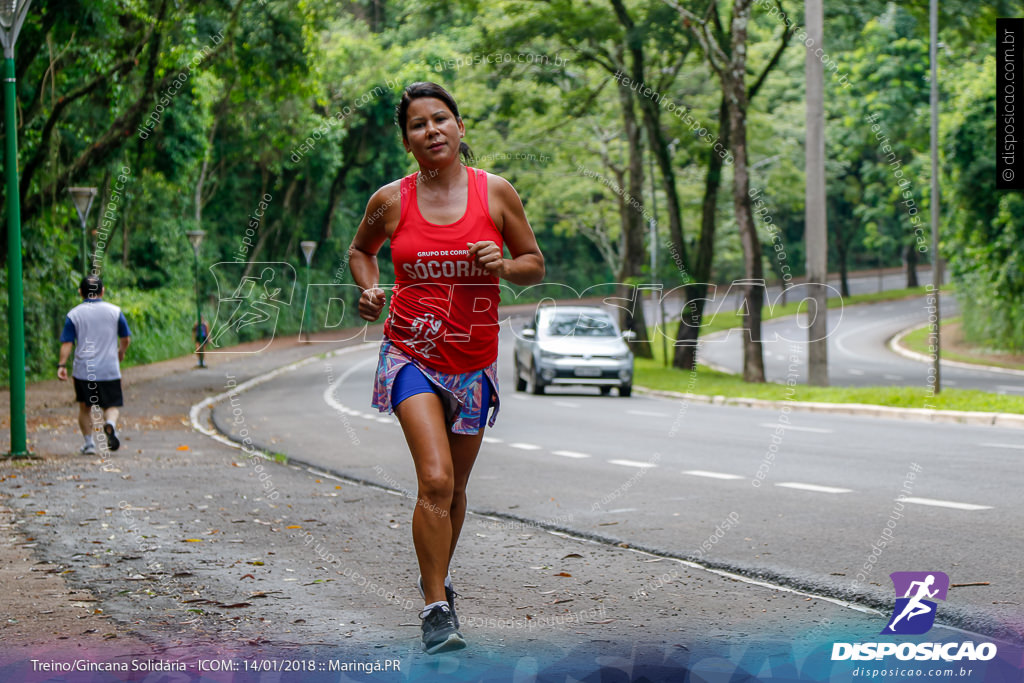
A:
652, 374
918, 341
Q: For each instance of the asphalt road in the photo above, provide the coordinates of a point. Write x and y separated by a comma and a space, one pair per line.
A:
858, 352
666, 474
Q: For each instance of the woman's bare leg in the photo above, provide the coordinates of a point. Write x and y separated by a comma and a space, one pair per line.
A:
464, 449
422, 420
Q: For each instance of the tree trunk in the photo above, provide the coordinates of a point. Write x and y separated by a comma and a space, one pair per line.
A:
753, 289
910, 258
685, 356
842, 255
350, 149
267, 226
651, 115
632, 213
842, 238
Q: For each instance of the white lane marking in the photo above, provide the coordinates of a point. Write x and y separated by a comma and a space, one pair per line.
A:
855, 331
491, 439
945, 504
855, 371
366, 416
647, 413
196, 411
567, 404
612, 512
525, 446
633, 463
328, 394
1005, 445
385, 420
888, 376
519, 397
813, 487
816, 430
712, 475
571, 454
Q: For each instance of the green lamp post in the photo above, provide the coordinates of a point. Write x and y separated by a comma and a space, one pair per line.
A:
195, 238
12, 16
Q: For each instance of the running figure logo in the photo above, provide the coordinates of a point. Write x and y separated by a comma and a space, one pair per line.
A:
426, 330
262, 291
914, 613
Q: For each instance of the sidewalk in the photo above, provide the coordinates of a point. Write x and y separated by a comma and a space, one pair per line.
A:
176, 548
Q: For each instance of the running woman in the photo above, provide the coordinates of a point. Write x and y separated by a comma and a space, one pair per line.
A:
448, 224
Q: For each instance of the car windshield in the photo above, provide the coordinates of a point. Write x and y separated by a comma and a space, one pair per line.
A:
579, 325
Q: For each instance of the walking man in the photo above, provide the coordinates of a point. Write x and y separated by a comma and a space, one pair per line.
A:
100, 335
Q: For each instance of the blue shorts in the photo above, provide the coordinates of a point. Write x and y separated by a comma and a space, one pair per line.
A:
410, 381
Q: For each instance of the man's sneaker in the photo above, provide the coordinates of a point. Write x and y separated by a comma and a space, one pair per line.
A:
449, 595
113, 443
439, 632
87, 449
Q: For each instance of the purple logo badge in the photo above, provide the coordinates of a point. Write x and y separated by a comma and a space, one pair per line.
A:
914, 612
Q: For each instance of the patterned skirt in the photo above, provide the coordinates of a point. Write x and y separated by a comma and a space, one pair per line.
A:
461, 394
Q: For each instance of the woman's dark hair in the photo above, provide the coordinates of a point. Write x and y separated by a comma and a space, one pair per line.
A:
91, 286
415, 91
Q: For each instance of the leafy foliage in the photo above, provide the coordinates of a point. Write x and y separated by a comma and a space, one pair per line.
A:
212, 108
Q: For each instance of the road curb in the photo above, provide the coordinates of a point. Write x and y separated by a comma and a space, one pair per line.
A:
896, 346
863, 409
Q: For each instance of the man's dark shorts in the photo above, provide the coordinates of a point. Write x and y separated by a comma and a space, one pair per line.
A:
105, 394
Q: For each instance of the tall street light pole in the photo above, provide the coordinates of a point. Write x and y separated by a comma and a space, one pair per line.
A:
308, 247
195, 238
82, 197
936, 269
815, 227
12, 16
657, 295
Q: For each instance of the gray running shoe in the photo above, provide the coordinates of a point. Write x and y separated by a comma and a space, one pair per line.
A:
439, 632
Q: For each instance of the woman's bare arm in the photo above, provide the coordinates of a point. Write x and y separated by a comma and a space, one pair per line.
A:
362, 253
526, 267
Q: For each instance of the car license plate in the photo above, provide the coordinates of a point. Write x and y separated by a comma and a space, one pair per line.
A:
587, 372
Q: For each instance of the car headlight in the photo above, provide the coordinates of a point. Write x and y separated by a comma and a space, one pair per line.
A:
548, 355
622, 356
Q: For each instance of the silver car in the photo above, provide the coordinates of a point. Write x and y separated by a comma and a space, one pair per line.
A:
573, 345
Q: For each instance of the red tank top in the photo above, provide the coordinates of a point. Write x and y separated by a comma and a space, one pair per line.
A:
444, 307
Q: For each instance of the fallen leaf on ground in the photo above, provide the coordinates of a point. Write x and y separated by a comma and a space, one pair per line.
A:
183, 447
